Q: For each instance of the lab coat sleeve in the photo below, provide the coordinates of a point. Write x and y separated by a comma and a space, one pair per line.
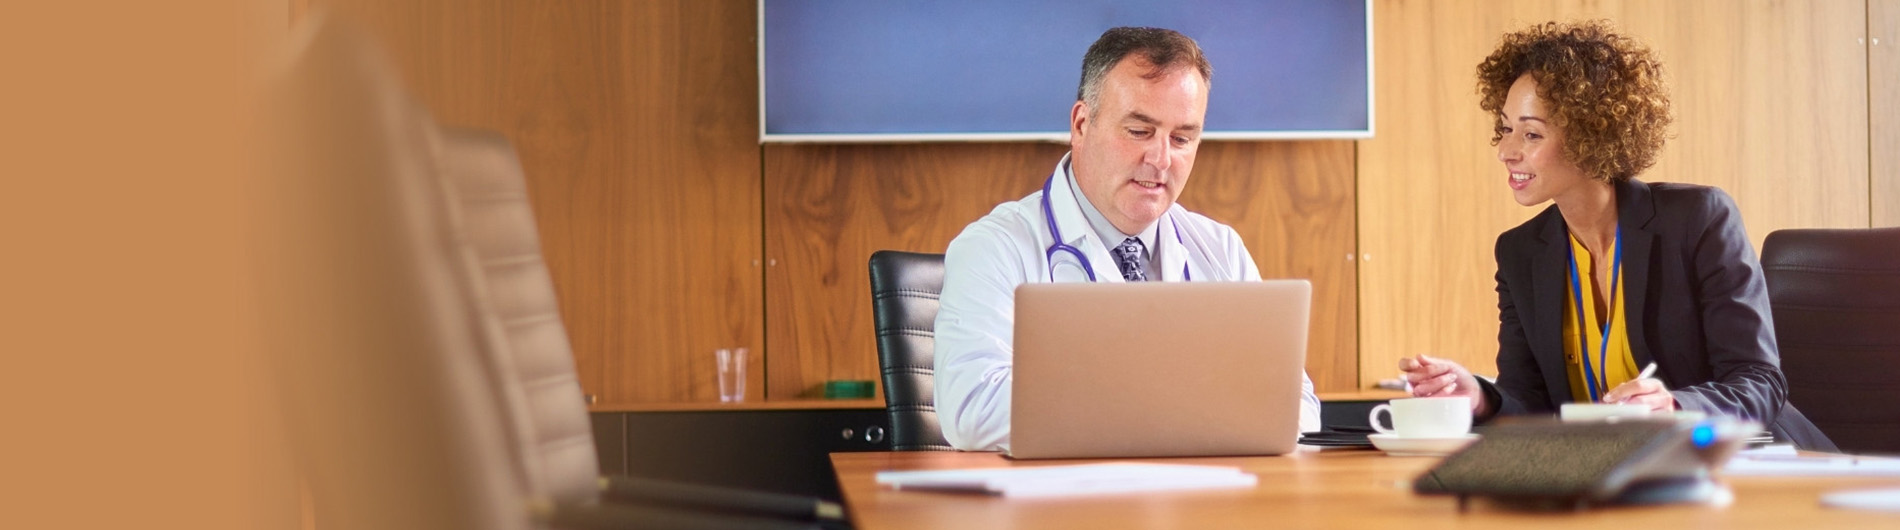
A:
975, 324
1309, 400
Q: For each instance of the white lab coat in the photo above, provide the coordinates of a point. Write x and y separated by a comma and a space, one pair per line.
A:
1006, 248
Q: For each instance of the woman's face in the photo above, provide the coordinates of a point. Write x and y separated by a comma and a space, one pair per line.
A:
1531, 146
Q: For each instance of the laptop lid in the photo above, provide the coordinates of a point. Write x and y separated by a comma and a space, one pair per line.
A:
1153, 369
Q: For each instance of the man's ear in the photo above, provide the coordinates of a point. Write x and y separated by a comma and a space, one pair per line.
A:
1078, 120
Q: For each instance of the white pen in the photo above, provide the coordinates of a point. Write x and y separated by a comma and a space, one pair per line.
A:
1648, 371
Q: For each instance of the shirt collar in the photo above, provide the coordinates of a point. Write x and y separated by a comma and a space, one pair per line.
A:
1104, 230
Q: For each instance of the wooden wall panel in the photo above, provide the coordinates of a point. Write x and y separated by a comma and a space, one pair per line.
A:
1292, 202
1770, 102
1883, 88
636, 124
829, 207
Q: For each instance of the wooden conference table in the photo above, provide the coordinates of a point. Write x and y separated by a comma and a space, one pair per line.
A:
1314, 489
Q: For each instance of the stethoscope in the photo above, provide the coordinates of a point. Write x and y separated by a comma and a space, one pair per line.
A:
1049, 214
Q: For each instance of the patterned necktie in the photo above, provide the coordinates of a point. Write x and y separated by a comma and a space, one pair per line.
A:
1128, 256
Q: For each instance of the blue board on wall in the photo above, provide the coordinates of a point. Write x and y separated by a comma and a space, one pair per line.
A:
902, 71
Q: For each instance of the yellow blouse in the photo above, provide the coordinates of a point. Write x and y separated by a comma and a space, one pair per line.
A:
1622, 364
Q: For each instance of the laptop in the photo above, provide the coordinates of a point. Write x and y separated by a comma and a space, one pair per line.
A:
1154, 369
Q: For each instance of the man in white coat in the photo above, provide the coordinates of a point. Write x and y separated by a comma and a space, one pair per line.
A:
1108, 214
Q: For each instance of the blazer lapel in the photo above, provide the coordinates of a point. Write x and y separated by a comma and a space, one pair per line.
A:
1550, 276
1635, 208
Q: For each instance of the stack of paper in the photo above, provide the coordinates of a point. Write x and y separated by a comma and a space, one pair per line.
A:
1886, 500
1770, 450
1086, 479
1783, 460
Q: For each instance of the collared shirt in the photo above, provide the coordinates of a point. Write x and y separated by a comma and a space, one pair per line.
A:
1582, 346
1114, 236
976, 318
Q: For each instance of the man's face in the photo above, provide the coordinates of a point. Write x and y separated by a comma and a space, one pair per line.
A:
1133, 154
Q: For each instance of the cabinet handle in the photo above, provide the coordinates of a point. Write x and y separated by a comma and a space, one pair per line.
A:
873, 434
848, 433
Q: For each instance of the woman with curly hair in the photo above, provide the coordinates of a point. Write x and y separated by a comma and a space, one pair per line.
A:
1617, 273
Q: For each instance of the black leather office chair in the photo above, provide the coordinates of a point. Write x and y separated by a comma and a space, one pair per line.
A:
904, 291
1836, 300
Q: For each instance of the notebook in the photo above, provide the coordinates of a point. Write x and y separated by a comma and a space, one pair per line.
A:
1153, 369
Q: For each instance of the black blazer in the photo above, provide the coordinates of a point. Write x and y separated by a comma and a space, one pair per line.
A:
1697, 306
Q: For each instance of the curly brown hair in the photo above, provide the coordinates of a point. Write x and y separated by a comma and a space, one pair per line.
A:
1606, 91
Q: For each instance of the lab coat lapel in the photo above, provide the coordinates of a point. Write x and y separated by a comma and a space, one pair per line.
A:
1076, 230
1171, 249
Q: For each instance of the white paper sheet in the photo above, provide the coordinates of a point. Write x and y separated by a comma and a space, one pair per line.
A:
1085, 479
1885, 500
1782, 465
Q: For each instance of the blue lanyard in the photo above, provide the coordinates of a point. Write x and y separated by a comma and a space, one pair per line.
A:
1603, 347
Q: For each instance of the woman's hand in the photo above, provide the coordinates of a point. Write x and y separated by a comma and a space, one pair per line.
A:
1441, 378
1647, 392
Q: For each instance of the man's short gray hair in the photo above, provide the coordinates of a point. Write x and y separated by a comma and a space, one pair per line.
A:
1166, 49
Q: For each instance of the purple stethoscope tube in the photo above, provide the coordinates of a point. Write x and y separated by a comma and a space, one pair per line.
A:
1048, 214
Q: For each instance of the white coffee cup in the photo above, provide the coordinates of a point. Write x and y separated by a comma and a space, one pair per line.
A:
1430, 417
1601, 411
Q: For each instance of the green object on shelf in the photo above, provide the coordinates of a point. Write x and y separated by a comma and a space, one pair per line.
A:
849, 389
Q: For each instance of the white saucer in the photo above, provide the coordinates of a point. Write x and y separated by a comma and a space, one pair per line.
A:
1395, 445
